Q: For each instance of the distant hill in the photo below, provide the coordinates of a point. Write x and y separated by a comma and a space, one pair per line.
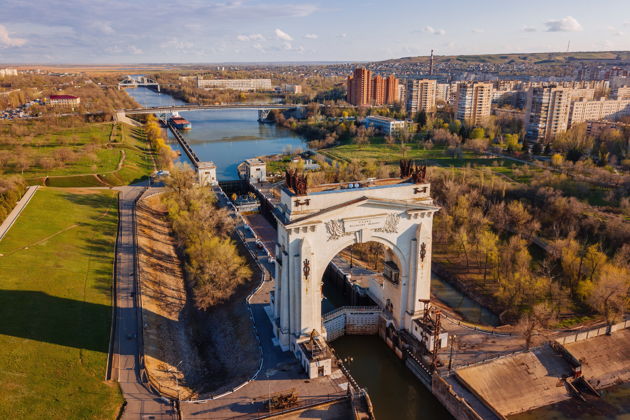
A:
524, 58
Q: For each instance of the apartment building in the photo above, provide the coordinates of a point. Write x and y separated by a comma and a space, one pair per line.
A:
473, 102
235, 84
547, 111
622, 92
604, 109
365, 89
421, 95
360, 87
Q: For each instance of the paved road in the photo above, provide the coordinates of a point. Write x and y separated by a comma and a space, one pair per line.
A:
126, 367
17, 210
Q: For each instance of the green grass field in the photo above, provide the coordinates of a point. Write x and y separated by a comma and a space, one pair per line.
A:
127, 141
391, 154
55, 306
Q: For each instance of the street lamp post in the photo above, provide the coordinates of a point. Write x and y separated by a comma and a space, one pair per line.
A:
450, 357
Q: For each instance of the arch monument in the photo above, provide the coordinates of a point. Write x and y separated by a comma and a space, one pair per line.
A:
315, 225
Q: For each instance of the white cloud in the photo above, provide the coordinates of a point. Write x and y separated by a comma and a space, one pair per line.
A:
478, 31
615, 31
103, 27
311, 36
135, 50
434, 31
283, 35
527, 28
177, 44
343, 35
252, 37
7, 41
566, 24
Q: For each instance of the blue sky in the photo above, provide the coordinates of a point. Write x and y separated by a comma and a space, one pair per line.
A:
115, 31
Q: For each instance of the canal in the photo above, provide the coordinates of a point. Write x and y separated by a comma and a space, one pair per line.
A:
227, 137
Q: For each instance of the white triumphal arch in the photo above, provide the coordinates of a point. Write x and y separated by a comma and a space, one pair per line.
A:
315, 225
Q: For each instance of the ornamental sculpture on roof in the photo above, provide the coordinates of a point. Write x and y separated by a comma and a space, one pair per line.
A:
296, 181
416, 172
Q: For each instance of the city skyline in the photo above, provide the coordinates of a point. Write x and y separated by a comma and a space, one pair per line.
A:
267, 31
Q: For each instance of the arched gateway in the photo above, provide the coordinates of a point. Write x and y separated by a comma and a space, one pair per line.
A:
315, 225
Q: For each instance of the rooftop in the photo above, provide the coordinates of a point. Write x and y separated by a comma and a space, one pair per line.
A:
206, 165
254, 162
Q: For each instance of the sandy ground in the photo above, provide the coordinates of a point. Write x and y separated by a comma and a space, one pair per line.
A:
169, 351
196, 353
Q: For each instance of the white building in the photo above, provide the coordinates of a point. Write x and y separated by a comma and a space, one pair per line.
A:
8, 72
207, 173
421, 95
255, 170
598, 110
474, 100
295, 89
64, 100
235, 84
385, 125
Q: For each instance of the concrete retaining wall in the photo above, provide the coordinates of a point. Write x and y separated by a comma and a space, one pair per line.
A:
593, 332
455, 404
352, 321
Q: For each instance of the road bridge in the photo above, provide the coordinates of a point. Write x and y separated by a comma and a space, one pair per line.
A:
197, 107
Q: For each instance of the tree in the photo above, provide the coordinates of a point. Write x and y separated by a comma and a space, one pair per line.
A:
539, 316
421, 119
477, 133
556, 160
488, 250
609, 294
511, 143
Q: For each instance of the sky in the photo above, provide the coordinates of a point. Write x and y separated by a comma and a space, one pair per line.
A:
208, 31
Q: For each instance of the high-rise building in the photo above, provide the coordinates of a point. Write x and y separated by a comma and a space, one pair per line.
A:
547, 111
473, 102
421, 95
378, 90
360, 87
363, 89
392, 92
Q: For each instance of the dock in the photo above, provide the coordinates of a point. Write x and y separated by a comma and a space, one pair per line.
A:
194, 159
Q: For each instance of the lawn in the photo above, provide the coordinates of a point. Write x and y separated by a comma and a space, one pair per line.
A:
127, 141
391, 155
55, 305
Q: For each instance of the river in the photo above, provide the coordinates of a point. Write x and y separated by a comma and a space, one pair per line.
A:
225, 136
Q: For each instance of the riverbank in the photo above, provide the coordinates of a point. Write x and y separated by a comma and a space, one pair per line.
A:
189, 353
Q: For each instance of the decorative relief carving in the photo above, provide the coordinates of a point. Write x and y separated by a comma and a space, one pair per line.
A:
391, 224
335, 229
306, 269
423, 251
